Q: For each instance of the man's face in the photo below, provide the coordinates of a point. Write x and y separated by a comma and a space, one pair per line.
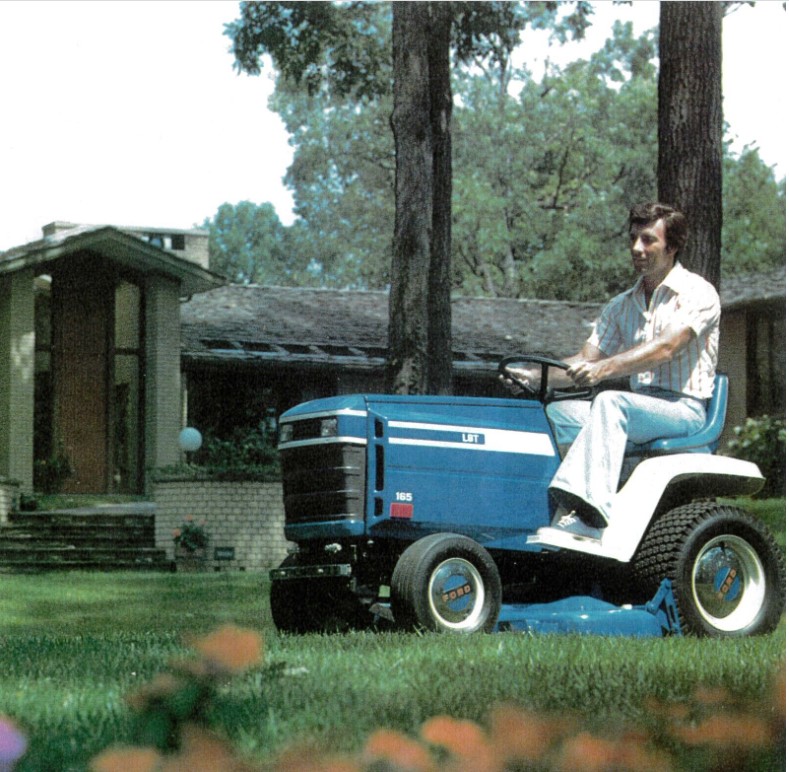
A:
652, 259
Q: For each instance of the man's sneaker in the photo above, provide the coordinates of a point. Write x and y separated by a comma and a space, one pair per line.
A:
573, 525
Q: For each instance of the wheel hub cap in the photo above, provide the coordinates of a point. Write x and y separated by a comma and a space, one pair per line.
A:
729, 585
456, 594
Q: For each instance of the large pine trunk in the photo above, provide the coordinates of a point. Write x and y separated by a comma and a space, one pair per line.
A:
440, 311
420, 359
690, 126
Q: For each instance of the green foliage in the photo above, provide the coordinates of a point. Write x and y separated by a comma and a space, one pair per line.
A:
763, 441
49, 474
191, 536
542, 192
317, 45
342, 176
246, 453
545, 166
248, 244
754, 215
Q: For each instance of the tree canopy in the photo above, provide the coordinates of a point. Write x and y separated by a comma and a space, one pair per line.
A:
545, 168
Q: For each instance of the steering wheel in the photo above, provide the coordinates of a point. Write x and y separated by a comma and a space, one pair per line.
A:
545, 393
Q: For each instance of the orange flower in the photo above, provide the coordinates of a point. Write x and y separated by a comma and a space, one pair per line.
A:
399, 750
231, 649
163, 685
203, 751
463, 739
127, 760
589, 753
732, 731
521, 735
307, 759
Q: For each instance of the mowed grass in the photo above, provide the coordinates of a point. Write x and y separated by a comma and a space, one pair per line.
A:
73, 645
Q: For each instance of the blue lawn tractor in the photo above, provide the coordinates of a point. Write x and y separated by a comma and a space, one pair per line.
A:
433, 512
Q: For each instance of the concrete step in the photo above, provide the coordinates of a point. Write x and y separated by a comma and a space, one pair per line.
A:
105, 538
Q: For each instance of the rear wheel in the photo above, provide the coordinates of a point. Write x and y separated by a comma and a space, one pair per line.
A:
446, 583
726, 570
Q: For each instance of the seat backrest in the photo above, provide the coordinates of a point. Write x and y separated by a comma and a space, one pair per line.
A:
703, 441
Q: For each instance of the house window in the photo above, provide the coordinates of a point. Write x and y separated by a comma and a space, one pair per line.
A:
766, 361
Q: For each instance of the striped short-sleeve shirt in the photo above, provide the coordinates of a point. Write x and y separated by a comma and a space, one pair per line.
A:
683, 297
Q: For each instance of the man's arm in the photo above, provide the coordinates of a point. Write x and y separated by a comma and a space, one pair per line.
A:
645, 356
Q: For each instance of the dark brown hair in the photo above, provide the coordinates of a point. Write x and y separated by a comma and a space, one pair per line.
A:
675, 223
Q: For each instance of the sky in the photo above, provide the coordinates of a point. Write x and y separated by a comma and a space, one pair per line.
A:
130, 112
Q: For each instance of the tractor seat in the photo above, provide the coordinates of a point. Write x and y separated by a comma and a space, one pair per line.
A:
703, 441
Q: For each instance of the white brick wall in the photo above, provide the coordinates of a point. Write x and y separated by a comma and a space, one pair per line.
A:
17, 352
247, 516
162, 372
9, 494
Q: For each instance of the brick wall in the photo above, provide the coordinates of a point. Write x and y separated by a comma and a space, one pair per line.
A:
9, 494
245, 517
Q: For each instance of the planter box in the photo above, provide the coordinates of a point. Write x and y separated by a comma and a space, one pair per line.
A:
191, 562
245, 521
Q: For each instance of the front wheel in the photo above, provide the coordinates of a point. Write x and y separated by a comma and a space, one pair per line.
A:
446, 583
726, 570
300, 606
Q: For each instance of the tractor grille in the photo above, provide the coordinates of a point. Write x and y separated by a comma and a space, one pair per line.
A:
323, 482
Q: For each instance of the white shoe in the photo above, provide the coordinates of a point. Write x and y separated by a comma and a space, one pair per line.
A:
571, 524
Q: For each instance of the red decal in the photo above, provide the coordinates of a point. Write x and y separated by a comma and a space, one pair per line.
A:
404, 511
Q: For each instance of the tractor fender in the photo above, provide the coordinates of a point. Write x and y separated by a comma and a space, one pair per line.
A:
674, 479
656, 484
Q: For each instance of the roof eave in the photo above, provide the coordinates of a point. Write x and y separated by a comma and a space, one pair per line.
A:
123, 249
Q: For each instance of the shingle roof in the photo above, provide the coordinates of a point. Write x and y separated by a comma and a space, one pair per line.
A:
271, 322
748, 288
254, 323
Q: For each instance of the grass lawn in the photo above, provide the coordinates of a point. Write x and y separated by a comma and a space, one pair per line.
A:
72, 645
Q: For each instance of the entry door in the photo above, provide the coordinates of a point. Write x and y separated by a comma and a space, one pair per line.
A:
83, 298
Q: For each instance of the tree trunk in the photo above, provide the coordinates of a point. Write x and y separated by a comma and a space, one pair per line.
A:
420, 349
690, 126
439, 347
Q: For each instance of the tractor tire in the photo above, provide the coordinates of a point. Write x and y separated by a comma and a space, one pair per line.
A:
446, 583
300, 606
727, 573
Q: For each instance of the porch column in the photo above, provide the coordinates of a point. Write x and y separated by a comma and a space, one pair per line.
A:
17, 371
162, 372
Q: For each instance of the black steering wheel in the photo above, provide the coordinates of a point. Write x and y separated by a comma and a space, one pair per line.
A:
545, 393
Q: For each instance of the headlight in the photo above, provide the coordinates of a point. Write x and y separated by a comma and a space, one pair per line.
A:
329, 427
285, 433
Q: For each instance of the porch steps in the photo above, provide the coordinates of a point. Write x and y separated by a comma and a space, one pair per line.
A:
117, 537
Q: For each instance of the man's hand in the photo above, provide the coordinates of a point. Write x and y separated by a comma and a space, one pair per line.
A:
521, 380
587, 374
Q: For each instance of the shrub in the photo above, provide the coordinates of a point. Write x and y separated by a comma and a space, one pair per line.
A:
49, 474
248, 453
191, 536
763, 441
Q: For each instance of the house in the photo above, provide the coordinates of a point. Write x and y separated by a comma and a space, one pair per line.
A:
113, 338
273, 347
89, 352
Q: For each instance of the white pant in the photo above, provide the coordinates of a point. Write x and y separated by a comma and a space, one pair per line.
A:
599, 431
